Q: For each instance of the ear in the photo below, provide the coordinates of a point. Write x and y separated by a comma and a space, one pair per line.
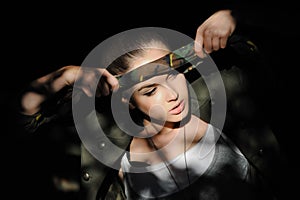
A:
126, 101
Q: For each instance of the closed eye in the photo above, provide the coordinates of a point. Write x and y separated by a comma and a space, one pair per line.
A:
150, 92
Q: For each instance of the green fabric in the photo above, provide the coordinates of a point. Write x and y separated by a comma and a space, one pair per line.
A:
251, 136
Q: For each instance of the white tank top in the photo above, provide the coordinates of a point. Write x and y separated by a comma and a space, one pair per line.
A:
151, 181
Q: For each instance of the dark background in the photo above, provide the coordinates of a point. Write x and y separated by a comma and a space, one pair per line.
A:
38, 39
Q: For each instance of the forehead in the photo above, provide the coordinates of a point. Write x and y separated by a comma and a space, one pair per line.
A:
143, 73
155, 80
152, 63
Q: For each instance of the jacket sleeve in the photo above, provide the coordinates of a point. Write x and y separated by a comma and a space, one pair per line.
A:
101, 152
245, 123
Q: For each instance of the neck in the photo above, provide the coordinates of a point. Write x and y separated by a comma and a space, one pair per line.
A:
152, 128
167, 136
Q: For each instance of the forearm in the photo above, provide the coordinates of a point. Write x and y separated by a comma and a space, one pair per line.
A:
42, 89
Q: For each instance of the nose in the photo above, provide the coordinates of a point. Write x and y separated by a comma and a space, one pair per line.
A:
172, 94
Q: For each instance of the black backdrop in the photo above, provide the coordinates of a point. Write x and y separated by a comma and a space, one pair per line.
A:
38, 39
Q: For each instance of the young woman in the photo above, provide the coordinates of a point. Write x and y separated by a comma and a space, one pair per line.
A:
176, 154
173, 154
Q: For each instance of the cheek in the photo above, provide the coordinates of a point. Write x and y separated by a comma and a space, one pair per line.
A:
157, 111
153, 107
180, 82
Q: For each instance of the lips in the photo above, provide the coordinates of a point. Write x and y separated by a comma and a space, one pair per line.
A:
177, 109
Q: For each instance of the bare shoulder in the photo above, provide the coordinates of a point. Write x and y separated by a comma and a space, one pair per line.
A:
139, 150
139, 145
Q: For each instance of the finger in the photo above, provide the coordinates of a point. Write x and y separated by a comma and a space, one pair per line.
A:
223, 42
216, 43
87, 91
103, 88
87, 81
112, 81
208, 44
199, 44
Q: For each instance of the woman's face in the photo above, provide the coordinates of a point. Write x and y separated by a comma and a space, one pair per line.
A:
162, 97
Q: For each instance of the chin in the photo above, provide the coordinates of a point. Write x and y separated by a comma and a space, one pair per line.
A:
183, 117
186, 116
